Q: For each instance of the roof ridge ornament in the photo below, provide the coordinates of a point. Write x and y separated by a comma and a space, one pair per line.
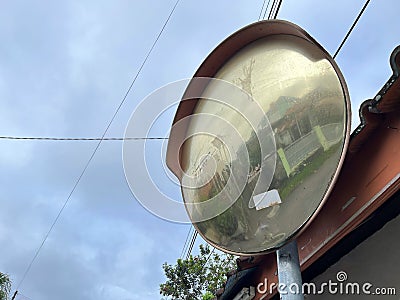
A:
381, 103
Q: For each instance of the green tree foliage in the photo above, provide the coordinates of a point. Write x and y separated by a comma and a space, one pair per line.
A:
198, 277
5, 286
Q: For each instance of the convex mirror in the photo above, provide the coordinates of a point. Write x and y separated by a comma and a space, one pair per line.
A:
259, 151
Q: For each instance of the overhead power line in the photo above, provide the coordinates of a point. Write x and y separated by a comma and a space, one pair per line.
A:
81, 138
273, 10
266, 9
186, 242
23, 297
191, 244
277, 9
209, 256
351, 29
14, 295
98, 144
262, 9
273, 13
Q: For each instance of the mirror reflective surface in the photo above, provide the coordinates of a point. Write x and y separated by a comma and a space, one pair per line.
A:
269, 171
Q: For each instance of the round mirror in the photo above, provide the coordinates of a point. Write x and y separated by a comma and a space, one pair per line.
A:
265, 141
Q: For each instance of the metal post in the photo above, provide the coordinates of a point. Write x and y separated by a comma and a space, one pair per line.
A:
289, 274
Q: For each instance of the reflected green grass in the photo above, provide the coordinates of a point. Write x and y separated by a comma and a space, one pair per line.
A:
312, 164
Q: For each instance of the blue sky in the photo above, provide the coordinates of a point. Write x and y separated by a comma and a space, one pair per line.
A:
64, 68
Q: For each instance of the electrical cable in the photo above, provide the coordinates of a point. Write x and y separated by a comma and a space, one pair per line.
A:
276, 5
186, 242
277, 9
97, 146
191, 244
209, 256
81, 138
205, 263
24, 297
262, 9
272, 10
266, 9
351, 29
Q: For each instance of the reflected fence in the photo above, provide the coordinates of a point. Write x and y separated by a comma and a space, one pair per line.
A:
320, 137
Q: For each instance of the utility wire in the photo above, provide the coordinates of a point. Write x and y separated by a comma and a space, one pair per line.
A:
81, 138
262, 9
208, 258
192, 244
23, 296
266, 9
351, 29
205, 263
276, 5
277, 9
271, 10
15, 295
98, 145
186, 242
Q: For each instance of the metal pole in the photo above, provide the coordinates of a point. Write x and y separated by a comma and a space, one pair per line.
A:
289, 274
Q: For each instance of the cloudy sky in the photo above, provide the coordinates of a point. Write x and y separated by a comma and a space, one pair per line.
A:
64, 68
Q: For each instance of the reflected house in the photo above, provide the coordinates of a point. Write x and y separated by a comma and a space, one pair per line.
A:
278, 115
301, 130
230, 222
360, 220
211, 164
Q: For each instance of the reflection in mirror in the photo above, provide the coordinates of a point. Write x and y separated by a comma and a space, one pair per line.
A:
303, 130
